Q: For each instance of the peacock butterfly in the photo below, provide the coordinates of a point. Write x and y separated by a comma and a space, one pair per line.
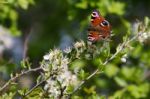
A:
99, 27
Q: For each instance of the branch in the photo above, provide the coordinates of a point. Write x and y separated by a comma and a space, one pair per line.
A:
44, 80
34, 87
123, 45
17, 76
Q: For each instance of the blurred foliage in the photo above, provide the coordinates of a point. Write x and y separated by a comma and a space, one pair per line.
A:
48, 21
9, 14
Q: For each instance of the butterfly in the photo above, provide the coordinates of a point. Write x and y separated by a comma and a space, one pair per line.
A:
99, 27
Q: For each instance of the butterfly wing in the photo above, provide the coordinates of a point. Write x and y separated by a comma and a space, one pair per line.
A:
94, 36
95, 18
99, 27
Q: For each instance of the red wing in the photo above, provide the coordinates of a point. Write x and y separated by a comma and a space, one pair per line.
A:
94, 36
98, 32
96, 18
99, 27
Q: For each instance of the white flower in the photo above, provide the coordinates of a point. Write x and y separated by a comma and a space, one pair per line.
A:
46, 57
46, 87
56, 68
79, 44
68, 50
76, 70
124, 58
143, 36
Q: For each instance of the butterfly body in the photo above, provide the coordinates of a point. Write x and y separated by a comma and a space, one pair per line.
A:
99, 28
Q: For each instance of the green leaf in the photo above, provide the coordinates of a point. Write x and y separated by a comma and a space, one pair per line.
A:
36, 93
23, 4
13, 15
102, 83
140, 91
133, 89
90, 90
133, 74
144, 89
77, 64
82, 5
8, 95
14, 30
97, 62
82, 74
21, 92
76, 97
23, 64
127, 72
39, 78
117, 8
118, 94
111, 70
26, 64
120, 81
70, 89
31, 2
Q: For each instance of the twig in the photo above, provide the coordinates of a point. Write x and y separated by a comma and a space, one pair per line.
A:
124, 44
26, 46
61, 89
17, 76
83, 81
34, 88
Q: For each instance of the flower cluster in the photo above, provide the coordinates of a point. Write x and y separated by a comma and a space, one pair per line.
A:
143, 36
142, 28
80, 48
55, 67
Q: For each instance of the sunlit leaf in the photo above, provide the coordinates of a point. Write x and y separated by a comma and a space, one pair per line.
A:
117, 8
120, 81
23, 4
111, 70
90, 90
82, 5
